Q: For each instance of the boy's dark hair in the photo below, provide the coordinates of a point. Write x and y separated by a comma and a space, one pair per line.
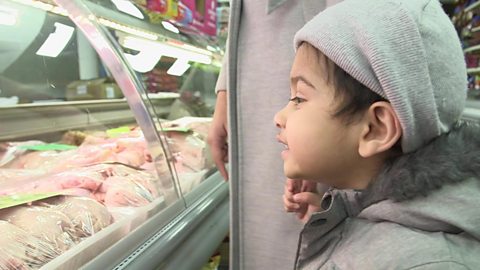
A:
353, 96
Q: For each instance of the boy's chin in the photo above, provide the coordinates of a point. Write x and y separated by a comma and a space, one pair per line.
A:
292, 174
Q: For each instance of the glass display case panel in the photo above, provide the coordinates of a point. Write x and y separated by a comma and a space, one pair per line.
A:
167, 65
168, 62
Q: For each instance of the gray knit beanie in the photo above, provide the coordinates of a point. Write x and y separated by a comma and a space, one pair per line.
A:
407, 51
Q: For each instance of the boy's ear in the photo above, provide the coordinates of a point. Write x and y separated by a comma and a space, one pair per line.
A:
380, 130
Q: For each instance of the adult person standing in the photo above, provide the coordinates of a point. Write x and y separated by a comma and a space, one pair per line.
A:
255, 73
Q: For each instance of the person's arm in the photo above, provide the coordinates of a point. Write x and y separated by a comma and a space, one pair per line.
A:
223, 75
218, 133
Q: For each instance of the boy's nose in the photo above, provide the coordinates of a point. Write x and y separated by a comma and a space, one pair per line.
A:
279, 118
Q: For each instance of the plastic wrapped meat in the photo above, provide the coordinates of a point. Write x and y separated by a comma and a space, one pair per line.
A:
190, 151
87, 215
44, 223
125, 186
123, 192
12, 150
44, 160
80, 178
19, 250
10, 175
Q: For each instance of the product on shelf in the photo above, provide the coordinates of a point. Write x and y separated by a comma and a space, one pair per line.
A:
87, 215
44, 223
35, 233
187, 138
20, 250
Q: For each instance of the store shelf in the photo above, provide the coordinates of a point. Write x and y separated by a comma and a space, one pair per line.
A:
472, 7
473, 70
34, 120
448, 1
472, 49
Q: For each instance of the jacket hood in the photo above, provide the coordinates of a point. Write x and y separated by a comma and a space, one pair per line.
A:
436, 188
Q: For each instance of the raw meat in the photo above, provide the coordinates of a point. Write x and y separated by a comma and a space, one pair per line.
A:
87, 215
19, 250
73, 179
127, 187
44, 223
7, 175
11, 150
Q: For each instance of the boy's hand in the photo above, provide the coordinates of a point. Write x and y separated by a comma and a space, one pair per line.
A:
301, 197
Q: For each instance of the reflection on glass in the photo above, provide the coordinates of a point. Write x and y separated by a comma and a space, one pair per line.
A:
56, 41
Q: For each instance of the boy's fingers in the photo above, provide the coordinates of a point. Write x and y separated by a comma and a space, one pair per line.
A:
307, 198
290, 206
289, 185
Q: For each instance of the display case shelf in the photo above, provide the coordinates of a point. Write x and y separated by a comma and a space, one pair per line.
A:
33, 120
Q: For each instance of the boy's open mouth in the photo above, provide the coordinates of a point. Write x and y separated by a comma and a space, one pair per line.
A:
282, 142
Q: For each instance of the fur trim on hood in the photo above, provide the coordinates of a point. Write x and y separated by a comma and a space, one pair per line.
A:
450, 158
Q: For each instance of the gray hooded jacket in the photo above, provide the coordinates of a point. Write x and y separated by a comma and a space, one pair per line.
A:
422, 212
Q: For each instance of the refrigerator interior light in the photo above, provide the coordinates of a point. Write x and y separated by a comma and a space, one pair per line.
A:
170, 27
179, 67
150, 53
128, 29
8, 16
56, 41
128, 7
43, 6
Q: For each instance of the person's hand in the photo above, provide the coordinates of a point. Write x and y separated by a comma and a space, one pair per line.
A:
217, 135
301, 197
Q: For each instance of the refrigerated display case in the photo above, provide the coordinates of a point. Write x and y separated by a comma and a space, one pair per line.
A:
103, 159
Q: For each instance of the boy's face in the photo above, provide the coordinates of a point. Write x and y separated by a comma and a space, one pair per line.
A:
318, 146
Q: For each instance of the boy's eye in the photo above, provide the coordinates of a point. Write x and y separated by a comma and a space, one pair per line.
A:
297, 100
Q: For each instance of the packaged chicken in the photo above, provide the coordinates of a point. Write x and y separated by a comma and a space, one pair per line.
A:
9, 151
87, 215
20, 250
9, 175
86, 179
49, 225
125, 186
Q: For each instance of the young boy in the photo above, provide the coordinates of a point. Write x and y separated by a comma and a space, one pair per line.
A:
377, 91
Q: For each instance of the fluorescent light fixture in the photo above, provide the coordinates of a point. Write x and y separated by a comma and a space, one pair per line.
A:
56, 41
170, 27
8, 16
150, 53
128, 7
128, 29
179, 67
43, 6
